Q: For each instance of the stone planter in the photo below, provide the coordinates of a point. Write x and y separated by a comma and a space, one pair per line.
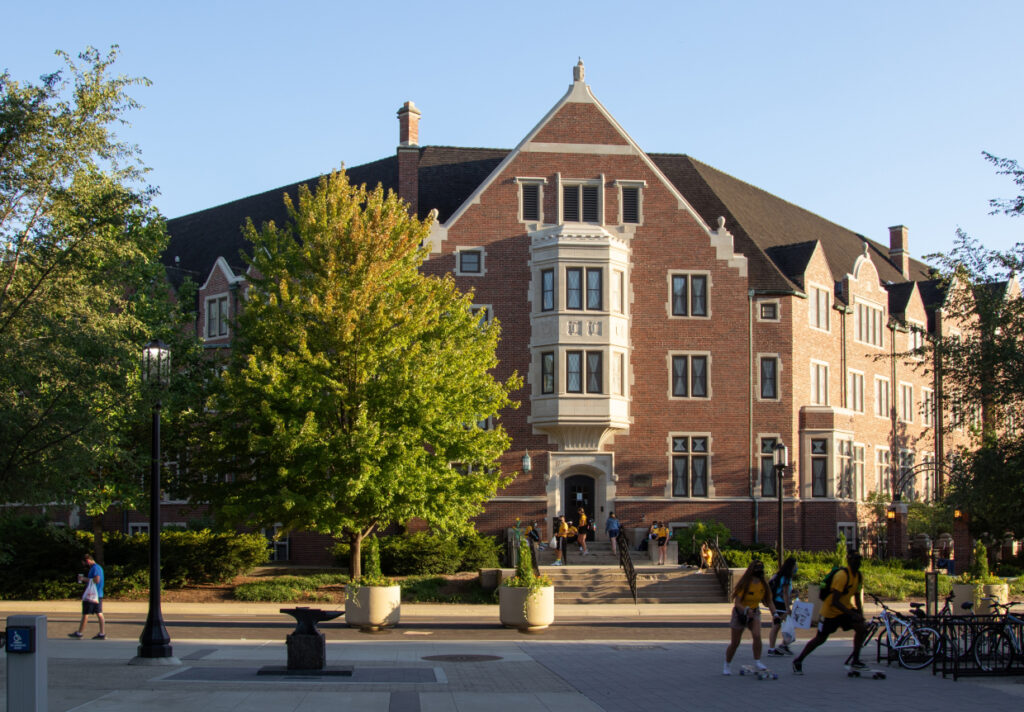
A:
529, 613
964, 592
998, 591
373, 607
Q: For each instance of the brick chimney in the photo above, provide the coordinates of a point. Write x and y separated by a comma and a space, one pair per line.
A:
409, 155
899, 253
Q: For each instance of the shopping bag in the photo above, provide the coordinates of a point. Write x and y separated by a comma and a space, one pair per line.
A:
789, 630
91, 594
554, 542
803, 611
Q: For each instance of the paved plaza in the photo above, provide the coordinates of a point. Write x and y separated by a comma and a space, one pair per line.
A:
407, 670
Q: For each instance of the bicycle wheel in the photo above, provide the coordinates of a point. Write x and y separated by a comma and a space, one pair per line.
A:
916, 656
993, 651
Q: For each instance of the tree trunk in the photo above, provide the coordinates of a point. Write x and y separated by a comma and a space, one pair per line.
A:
97, 539
355, 542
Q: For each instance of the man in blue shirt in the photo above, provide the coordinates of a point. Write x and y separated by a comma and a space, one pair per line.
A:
90, 606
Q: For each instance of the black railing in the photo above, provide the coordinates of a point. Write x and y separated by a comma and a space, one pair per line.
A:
979, 645
721, 568
626, 562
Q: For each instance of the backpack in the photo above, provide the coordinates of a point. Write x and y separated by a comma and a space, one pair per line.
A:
774, 584
826, 584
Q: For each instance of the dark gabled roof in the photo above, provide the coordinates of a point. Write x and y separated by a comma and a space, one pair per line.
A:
769, 221
447, 178
899, 296
775, 236
933, 294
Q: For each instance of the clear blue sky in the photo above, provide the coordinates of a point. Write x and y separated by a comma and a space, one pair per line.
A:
870, 114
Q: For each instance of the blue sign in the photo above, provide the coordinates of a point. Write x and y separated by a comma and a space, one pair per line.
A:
21, 640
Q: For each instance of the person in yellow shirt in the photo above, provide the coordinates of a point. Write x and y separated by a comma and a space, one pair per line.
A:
750, 592
581, 531
561, 535
843, 607
662, 533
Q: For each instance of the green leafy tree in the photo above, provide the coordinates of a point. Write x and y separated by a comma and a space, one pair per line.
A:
357, 384
79, 280
988, 484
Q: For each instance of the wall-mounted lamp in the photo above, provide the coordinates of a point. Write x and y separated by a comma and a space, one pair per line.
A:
527, 462
890, 514
957, 514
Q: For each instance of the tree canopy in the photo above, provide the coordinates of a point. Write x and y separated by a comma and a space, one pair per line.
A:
359, 391
983, 371
81, 287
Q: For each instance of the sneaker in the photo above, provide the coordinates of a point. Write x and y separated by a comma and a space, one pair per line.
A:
99, 636
798, 667
726, 670
784, 649
760, 665
76, 634
557, 563
775, 653
858, 665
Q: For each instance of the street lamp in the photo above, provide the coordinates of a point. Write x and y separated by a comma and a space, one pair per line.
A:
155, 642
781, 462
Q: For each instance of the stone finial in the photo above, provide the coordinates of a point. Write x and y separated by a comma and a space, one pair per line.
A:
865, 248
577, 71
721, 222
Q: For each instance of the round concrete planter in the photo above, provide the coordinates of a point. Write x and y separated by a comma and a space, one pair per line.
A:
998, 591
517, 608
964, 592
373, 607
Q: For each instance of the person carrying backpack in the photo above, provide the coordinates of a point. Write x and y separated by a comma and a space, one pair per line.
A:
842, 607
781, 585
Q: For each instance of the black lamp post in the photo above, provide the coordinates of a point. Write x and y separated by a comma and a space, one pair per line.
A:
155, 642
781, 462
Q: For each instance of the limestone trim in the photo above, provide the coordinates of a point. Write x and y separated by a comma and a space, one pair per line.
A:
600, 466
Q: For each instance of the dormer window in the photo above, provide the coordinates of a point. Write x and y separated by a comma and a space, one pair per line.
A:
217, 317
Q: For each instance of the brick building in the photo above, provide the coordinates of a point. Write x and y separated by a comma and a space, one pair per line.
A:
673, 324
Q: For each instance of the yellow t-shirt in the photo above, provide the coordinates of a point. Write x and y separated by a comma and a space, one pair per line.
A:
753, 596
563, 529
843, 580
583, 521
661, 532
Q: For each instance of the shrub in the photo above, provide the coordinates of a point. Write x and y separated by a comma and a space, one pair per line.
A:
478, 551
418, 554
693, 536
38, 560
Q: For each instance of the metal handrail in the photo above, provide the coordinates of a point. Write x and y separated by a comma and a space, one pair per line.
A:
720, 567
626, 562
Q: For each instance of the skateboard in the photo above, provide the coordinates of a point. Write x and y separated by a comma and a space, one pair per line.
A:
866, 672
759, 674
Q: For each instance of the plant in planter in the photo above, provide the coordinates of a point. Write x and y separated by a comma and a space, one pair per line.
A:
372, 601
978, 585
526, 601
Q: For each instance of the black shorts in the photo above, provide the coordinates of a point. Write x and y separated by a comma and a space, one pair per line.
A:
828, 626
662, 541
88, 607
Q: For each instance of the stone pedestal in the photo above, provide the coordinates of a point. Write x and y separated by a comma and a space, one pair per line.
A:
962, 544
306, 651
898, 541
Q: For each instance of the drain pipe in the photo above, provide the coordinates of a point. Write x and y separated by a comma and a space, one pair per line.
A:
750, 415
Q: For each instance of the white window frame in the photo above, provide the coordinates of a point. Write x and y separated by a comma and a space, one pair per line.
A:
769, 302
818, 368
458, 261
916, 339
883, 469
927, 407
689, 375
850, 530
689, 274
883, 398
672, 454
639, 185
138, 528
906, 410
540, 183
869, 326
221, 326
817, 294
778, 377
564, 183
488, 312
854, 390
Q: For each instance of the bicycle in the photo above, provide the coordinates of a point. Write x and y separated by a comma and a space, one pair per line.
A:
951, 647
997, 645
915, 645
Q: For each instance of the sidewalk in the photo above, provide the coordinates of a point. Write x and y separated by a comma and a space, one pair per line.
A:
413, 674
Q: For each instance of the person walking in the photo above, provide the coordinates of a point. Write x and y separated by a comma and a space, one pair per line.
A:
611, 527
707, 556
581, 531
843, 607
560, 536
781, 585
661, 532
92, 598
750, 592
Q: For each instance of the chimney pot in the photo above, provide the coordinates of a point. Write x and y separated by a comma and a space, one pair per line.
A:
408, 125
